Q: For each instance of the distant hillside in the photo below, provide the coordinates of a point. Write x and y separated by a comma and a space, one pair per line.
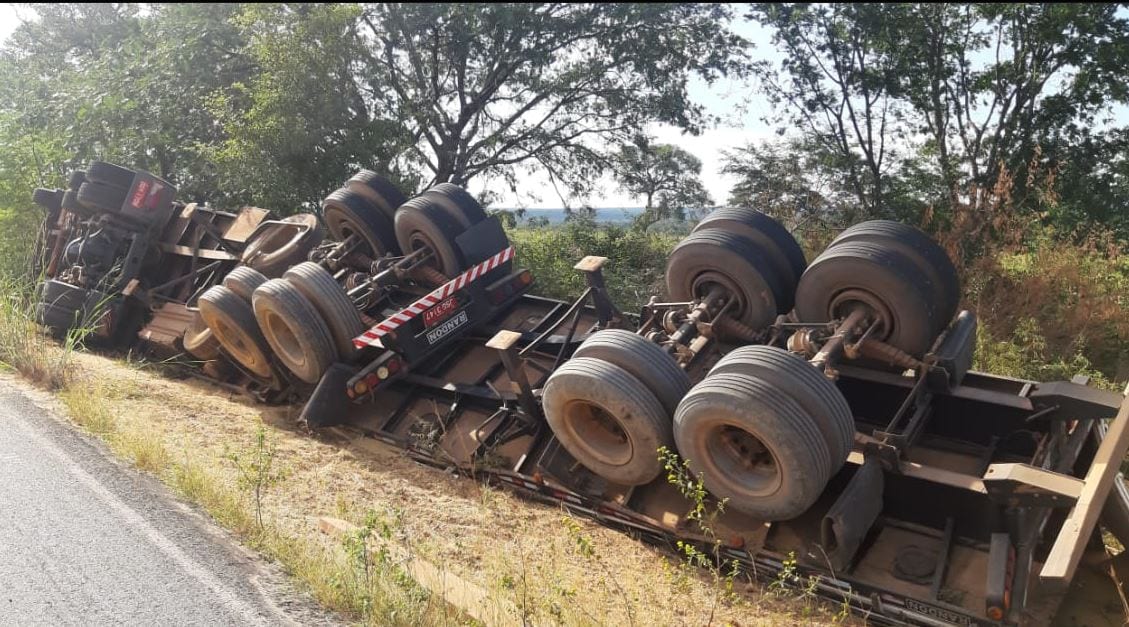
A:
607, 215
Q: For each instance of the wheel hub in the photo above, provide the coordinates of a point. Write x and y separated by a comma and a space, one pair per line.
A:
877, 313
600, 433
744, 461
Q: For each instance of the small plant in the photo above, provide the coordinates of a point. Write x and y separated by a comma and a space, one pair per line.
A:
256, 469
704, 512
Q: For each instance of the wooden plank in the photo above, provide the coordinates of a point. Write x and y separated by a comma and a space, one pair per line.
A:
469, 597
1062, 561
245, 223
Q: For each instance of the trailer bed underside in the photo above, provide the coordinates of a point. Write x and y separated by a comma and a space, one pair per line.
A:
458, 411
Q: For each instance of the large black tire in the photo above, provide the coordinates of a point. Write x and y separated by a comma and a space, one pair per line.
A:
881, 278
458, 203
71, 204
420, 223
753, 445
644, 360
110, 174
278, 247
818, 396
61, 306
294, 330
59, 294
50, 199
101, 197
57, 319
337, 310
771, 238
916, 245
608, 420
348, 213
199, 341
716, 257
76, 179
379, 190
233, 324
244, 281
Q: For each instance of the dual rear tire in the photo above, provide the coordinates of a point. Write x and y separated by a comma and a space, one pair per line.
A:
610, 406
750, 256
898, 274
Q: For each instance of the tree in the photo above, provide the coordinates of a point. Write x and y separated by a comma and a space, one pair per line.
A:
485, 89
981, 101
835, 83
306, 121
666, 176
788, 181
1052, 70
119, 84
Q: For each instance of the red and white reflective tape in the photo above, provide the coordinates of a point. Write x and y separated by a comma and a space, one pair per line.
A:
373, 335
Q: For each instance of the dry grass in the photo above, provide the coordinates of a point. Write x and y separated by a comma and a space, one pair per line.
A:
23, 347
524, 554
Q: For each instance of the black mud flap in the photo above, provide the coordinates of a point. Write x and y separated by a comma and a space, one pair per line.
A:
854, 512
482, 241
329, 404
953, 358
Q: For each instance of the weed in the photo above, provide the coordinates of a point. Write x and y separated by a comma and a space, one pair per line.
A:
704, 512
87, 406
255, 468
584, 546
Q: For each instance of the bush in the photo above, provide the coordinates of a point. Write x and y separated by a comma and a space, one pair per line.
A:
1056, 302
635, 260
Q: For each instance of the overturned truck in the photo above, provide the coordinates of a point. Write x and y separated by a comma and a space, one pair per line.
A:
829, 407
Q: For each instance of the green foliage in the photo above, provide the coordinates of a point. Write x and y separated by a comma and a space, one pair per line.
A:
704, 512
666, 176
486, 88
303, 124
256, 469
790, 181
634, 272
1050, 310
958, 114
119, 84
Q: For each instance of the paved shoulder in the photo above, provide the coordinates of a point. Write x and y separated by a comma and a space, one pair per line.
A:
87, 541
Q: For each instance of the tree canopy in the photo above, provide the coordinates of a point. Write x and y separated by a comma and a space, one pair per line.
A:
958, 111
665, 176
277, 104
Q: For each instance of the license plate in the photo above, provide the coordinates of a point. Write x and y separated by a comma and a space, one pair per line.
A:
937, 612
445, 329
439, 312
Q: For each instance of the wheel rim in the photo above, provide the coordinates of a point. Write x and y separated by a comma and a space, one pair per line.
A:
343, 227
599, 432
737, 457
705, 283
239, 345
420, 240
286, 342
878, 313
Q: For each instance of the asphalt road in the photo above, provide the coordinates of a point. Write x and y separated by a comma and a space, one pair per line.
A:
86, 540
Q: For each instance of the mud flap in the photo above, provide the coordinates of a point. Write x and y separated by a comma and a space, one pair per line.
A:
854, 512
329, 404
